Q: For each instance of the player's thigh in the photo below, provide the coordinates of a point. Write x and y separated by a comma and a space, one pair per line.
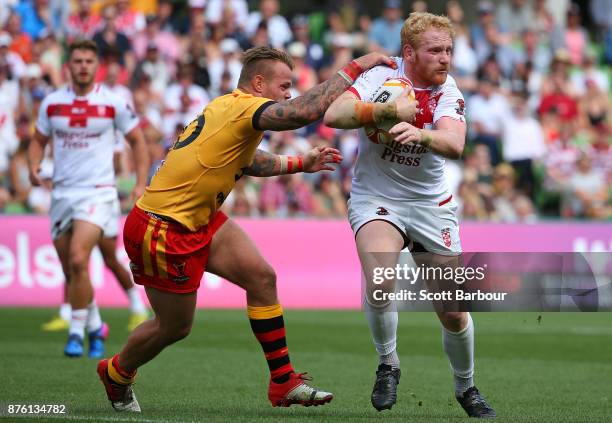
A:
234, 256
174, 312
85, 236
378, 245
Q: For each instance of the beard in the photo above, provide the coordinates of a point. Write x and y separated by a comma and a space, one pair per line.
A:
430, 73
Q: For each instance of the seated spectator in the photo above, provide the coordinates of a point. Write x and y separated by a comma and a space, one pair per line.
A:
488, 109
523, 143
384, 35
7, 57
196, 95
279, 32
328, 200
228, 62
83, 22
586, 193
130, 20
21, 41
507, 200
34, 16
216, 12
110, 39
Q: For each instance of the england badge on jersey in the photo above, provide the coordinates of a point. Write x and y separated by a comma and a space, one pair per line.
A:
446, 236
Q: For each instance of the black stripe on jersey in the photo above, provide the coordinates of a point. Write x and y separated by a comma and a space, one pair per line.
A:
266, 325
258, 112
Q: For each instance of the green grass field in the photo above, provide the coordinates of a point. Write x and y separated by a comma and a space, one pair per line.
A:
557, 370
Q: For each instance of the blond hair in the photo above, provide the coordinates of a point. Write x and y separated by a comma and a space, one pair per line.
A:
255, 60
419, 22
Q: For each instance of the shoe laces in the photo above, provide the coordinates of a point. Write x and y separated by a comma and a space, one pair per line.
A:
303, 376
472, 395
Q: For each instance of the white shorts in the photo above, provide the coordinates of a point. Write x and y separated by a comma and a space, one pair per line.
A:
97, 206
432, 226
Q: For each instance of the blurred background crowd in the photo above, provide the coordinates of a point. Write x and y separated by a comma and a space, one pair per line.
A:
535, 74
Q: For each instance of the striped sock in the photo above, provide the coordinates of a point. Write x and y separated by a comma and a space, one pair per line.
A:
117, 374
269, 329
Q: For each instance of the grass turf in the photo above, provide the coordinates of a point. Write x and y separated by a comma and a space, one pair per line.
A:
555, 370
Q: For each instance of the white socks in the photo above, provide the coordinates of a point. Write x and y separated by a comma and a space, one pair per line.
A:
94, 321
136, 304
459, 347
65, 311
78, 321
383, 326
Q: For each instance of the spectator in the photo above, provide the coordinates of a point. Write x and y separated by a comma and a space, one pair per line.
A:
217, 9
575, 38
21, 42
488, 109
165, 41
384, 35
18, 172
197, 97
523, 143
154, 68
305, 77
514, 16
507, 198
588, 73
34, 16
314, 52
83, 23
279, 32
558, 98
587, 192
595, 106
10, 58
111, 41
328, 200
229, 62
130, 20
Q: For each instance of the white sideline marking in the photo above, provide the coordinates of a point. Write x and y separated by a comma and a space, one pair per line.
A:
89, 418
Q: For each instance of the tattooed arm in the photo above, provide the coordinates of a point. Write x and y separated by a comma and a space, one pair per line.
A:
311, 106
317, 159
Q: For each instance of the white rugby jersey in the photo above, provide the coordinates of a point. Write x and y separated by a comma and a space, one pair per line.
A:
405, 172
83, 133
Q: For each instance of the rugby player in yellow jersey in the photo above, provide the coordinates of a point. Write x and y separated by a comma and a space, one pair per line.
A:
176, 230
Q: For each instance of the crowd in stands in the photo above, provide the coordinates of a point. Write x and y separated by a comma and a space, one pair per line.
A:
535, 78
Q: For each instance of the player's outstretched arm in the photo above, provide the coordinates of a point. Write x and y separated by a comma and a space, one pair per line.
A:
317, 159
36, 153
447, 139
311, 106
348, 112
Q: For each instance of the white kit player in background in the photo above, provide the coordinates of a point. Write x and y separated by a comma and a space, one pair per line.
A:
399, 196
81, 119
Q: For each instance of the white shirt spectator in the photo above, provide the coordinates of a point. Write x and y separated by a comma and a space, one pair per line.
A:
489, 112
198, 98
522, 138
279, 31
214, 11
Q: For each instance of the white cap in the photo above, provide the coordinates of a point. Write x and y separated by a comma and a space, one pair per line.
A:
5, 39
297, 49
229, 45
33, 70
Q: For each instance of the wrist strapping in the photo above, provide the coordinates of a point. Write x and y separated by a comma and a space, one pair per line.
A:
351, 71
291, 164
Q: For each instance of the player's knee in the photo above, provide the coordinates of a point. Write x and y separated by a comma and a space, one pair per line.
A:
453, 320
79, 261
175, 331
266, 278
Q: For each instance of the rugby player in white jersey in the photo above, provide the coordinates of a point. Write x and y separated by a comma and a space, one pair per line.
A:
81, 119
399, 196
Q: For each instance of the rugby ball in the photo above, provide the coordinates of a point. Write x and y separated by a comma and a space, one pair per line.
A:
387, 92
